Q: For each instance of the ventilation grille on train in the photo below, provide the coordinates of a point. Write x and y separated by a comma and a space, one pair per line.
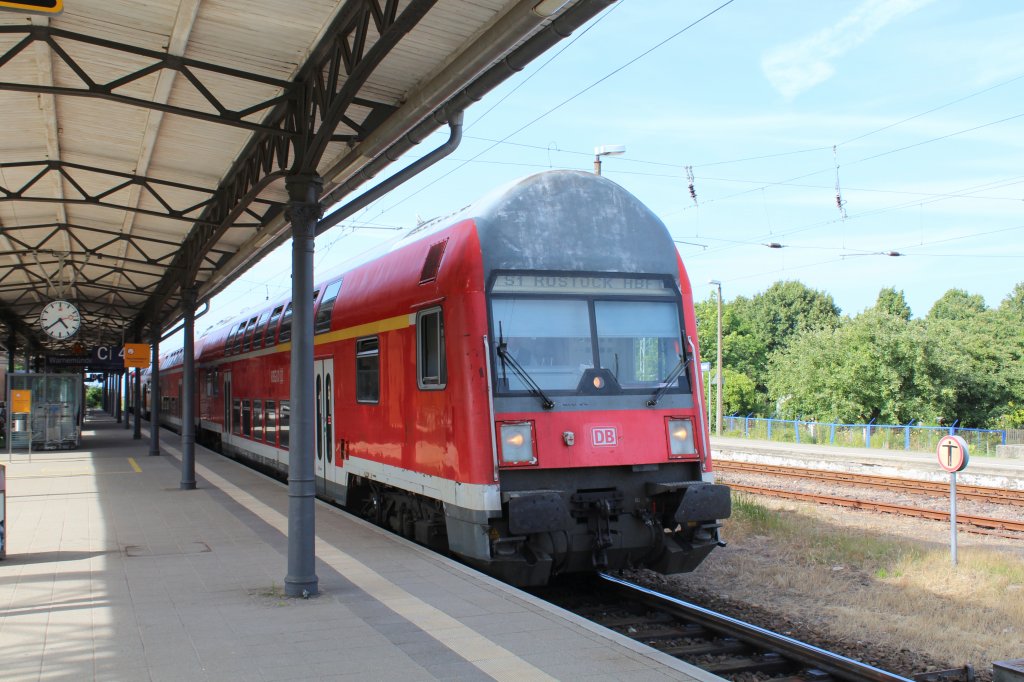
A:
432, 263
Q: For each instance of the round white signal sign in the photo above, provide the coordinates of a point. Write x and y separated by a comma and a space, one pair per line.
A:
952, 453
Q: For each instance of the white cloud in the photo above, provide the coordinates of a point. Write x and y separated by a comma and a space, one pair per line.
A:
795, 67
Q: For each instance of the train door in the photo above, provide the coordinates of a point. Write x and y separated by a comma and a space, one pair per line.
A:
324, 401
227, 405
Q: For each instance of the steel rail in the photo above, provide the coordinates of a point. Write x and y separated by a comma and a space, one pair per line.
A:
976, 492
839, 666
904, 510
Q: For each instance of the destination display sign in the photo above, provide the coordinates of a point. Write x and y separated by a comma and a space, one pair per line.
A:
98, 359
575, 284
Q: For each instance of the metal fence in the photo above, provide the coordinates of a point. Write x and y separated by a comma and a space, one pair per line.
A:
880, 436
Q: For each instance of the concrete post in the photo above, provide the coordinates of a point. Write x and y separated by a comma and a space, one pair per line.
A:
188, 392
303, 211
154, 393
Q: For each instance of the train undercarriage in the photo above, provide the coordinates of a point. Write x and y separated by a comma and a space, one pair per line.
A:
551, 529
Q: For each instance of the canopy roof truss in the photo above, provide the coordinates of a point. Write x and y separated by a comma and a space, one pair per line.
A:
147, 142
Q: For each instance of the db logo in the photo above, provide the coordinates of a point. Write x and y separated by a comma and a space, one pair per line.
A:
604, 436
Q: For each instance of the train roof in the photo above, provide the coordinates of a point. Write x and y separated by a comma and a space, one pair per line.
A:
564, 220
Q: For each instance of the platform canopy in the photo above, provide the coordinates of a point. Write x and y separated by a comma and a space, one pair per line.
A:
144, 144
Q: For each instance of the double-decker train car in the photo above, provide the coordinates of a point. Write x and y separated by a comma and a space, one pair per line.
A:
518, 384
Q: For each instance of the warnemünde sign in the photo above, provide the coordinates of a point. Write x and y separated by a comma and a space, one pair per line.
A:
99, 359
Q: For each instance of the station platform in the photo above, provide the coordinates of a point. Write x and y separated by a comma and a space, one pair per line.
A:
114, 573
981, 470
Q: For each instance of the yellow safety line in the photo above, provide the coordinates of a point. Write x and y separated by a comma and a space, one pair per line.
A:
136, 467
486, 655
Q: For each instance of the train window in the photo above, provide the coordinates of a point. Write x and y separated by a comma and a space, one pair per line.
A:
230, 346
270, 421
261, 327
236, 346
322, 321
236, 417
271, 335
286, 325
368, 370
211, 384
257, 419
550, 338
247, 335
284, 417
638, 340
432, 371
246, 418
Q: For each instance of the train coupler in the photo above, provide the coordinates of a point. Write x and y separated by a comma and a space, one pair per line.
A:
599, 508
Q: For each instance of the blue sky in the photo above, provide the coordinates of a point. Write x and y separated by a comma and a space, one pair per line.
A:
914, 108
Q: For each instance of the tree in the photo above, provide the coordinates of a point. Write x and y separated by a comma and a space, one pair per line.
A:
739, 393
893, 302
786, 308
972, 372
957, 304
867, 368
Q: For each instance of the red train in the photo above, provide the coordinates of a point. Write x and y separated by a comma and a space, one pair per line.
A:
517, 384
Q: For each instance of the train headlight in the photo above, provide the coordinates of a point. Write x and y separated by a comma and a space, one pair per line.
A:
517, 443
680, 437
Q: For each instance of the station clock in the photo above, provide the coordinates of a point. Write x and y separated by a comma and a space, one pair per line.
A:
60, 320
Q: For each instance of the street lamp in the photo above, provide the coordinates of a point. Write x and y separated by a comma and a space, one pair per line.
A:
606, 150
718, 404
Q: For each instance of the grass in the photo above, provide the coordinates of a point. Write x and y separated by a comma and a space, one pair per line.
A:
858, 577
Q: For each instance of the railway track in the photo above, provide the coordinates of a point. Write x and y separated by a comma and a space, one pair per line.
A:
711, 641
971, 522
970, 492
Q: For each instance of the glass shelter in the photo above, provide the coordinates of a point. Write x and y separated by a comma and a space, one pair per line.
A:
44, 411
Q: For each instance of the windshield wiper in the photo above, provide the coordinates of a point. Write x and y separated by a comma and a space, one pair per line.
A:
667, 382
507, 359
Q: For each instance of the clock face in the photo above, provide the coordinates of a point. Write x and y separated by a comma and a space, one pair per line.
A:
60, 319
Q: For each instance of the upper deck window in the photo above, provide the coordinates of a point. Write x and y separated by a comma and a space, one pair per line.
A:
235, 339
323, 313
271, 335
250, 326
286, 325
261, 328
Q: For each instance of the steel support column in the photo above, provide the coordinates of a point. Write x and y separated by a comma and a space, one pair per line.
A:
12, 347
137, 432
154, 393
127, 399
188, 392
303, 211
117, 397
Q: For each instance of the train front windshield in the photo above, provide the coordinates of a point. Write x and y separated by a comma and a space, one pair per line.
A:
558, 328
